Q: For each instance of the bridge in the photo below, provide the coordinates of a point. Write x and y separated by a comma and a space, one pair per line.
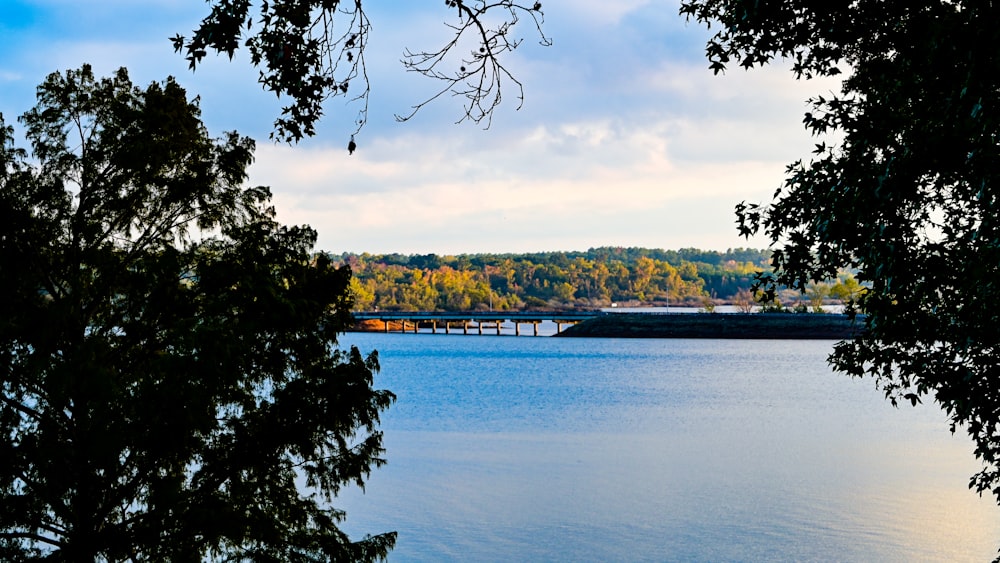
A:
477, 320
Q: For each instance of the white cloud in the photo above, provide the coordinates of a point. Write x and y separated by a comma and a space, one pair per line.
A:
625, 137
600, 180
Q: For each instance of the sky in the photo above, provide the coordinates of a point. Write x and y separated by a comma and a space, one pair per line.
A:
624, 138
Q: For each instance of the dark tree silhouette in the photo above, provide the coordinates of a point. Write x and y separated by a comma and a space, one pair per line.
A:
312, 50
170, 387
906, 190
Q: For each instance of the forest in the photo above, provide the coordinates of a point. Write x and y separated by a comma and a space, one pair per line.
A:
598, 277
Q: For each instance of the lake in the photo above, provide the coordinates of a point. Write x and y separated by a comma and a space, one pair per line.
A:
565, 449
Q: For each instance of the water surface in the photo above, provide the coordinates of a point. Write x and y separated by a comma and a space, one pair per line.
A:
549, 449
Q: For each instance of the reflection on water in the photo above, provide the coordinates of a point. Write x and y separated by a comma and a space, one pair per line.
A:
540, 449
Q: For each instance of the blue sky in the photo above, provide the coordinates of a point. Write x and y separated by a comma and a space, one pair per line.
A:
625, 138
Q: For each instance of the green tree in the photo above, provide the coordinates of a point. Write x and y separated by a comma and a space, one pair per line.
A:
312, 50
847, 290
362, 293
906, 190
817, 292
419, 292
170, 387
642, 273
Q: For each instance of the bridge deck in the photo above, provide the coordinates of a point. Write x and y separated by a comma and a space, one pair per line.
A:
479, 319
512, 316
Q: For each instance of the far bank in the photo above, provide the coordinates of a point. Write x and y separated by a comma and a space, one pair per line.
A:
776, 326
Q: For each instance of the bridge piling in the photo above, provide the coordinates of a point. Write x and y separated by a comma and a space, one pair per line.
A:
482, 320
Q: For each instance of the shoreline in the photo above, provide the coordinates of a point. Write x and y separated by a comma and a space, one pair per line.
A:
769, 326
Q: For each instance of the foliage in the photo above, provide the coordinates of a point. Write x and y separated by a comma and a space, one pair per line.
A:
169, 383
817, 292
554, 280
707, 304
904, 190
312, 50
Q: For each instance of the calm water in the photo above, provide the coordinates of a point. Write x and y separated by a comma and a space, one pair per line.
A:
550, 449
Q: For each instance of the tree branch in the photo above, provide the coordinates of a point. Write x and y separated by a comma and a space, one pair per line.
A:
479, 78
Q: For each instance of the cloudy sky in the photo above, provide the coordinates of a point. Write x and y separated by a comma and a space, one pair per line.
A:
625, 138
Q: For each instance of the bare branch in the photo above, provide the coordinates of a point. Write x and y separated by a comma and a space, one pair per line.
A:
480, 77
22, 408
314, 50
30, 536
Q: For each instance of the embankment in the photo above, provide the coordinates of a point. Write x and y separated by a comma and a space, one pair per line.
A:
780, 326
372, 325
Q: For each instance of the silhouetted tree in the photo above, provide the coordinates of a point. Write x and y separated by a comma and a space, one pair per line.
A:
906, 190
170, 387
312, 50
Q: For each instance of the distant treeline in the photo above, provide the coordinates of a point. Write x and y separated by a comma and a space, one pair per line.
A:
555, 280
